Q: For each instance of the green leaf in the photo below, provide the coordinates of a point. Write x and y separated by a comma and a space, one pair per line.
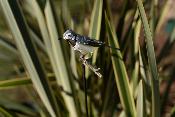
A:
60, 61
15, 82
9, 49
5, 113
21, 35
37, 40
70, 24
121, 76
6, 84
151, 62
153, 14
167, 47
135, 53
141, 106
164, 11
67, 15
95, 25
14, 105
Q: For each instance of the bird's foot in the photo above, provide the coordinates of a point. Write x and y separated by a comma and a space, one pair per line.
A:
97, 69
82, 57
93, 68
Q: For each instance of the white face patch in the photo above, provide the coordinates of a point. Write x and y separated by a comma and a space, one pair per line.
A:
66, 35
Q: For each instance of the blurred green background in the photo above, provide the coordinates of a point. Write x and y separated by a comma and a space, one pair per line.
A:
41, 76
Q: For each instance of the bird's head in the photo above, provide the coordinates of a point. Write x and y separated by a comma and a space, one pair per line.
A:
69, 35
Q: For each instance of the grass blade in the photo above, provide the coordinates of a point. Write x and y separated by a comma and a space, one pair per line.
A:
45, 35
95, 26
164, 12
7, 46
37, 40
14, 105
151, 62
135, 52
5, 113
153, 13
59, 59
120, 73
20, 32
6, 84
141, 106
15, 82
166, 47
49, 35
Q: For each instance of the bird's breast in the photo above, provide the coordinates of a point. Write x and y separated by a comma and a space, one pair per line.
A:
71, 42
84, 49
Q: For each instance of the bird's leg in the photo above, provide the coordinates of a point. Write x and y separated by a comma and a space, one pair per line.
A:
82, 57
86, 63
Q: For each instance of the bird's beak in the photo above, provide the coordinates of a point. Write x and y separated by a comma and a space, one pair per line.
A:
60, 38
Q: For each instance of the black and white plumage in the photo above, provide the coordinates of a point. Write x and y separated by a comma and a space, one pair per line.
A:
81, 43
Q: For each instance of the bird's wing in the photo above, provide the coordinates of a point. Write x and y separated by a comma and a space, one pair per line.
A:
88, 41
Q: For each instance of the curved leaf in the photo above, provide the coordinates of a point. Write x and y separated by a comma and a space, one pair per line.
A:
121, 76
151, 61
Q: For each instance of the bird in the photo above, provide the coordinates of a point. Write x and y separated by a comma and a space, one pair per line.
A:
83, 44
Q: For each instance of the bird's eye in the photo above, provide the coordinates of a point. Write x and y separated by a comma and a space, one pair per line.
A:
69, 35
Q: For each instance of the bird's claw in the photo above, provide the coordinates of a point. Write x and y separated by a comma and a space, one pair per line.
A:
94, 69
97, 69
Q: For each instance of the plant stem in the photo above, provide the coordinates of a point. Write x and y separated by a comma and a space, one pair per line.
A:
85, 90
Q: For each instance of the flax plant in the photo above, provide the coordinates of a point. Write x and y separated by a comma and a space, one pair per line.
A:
42, 76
